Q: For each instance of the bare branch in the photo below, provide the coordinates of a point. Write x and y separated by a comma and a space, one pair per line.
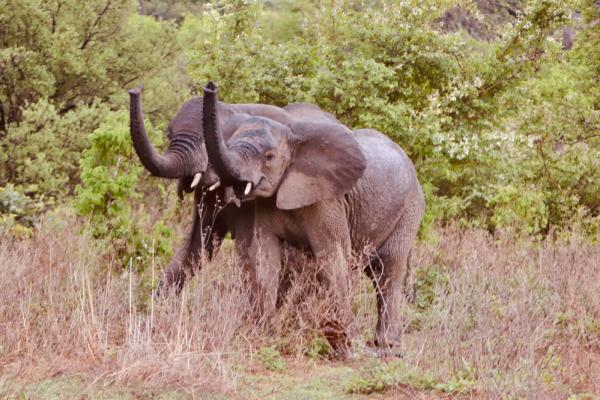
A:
2, 120
90, 33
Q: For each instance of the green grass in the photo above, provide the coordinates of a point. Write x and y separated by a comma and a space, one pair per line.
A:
72, 387
304, 380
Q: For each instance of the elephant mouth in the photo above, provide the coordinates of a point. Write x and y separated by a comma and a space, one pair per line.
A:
205, 180
248, 190
244, 189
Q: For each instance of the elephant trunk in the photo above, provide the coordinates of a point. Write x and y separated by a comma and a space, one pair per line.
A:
167, 166
223, 160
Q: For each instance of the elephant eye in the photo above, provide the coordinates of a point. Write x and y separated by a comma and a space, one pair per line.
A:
269, 156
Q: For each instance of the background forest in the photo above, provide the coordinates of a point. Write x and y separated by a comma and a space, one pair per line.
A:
497, 102
503, 124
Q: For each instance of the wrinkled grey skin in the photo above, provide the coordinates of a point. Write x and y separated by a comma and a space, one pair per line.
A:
317, 185
214, 214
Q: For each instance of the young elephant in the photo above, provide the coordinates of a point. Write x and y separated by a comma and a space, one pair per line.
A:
318, 185
186, 160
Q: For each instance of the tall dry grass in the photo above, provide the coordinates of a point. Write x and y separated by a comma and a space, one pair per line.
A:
521, 318
65, 310
514, 317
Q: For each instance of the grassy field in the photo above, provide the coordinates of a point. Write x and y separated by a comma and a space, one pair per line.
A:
495, 317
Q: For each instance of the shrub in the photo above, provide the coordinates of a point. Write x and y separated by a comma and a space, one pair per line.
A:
462, 109
110, 180
270, 358
45, 148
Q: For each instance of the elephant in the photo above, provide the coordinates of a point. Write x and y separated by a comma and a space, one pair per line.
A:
318, 185
216, 211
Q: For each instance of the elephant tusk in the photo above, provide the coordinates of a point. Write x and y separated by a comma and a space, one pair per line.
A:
248, 188
196, 180
214, 186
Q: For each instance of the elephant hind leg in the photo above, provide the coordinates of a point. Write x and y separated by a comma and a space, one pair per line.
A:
392, 277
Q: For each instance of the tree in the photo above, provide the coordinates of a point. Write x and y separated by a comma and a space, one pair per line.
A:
61, 61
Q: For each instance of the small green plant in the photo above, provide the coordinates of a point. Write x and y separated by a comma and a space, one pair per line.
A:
375, 378
427, 282
318, 348
378, 377
582, 396
271, 359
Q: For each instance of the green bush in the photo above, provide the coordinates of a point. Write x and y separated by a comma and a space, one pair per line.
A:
464, 110
503, 133
16, 213
377, 377
64, 66
45, 148
110, 184
271, 359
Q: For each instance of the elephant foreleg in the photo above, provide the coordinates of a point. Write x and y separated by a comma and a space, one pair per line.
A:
264, 270
330, 243
206, 232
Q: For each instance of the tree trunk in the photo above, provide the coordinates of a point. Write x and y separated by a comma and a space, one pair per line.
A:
2, 121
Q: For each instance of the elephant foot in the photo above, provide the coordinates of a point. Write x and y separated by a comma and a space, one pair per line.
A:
385, 346
382, 352
337, 337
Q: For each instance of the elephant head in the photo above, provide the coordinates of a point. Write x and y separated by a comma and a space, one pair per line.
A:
185, 159
300, 163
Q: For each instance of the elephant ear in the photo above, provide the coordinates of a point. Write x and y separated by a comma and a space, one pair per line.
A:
326, 164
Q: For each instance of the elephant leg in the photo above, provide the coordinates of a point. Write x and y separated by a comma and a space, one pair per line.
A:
334, 271
332, 259
329, 238
264, 271
181, 265
293, 260
206, 233
391, 276
326, 227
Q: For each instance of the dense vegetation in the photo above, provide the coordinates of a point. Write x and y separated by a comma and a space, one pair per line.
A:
504, 132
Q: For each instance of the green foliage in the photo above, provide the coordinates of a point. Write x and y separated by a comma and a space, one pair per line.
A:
319, 347
110, 180
428, 283
64, 66
73, 52
582, 396
229, 40
481, 120
45, 148
16, 211
503, 133
271, 359
378, 377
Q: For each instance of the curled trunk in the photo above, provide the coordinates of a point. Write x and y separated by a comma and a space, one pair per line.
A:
223, 160
167, 166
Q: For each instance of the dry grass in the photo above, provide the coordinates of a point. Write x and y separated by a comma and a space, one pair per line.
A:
66, 311
520, 319
494, 317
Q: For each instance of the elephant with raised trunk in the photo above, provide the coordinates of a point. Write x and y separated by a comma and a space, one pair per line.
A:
318, 185
186, 160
